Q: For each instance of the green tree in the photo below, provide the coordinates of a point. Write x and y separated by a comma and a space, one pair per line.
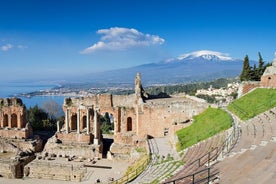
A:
106, 125
246, 70
260, 69
36, 117
254, 73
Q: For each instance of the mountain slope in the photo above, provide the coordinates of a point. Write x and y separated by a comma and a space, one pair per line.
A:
196, 66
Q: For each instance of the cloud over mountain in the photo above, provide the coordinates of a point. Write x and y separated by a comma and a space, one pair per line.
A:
206, 54
117, 38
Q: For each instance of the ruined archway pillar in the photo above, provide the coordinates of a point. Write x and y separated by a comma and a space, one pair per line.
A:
96, 140
19, 122
9, 121
67, 120
78, 121
87, 121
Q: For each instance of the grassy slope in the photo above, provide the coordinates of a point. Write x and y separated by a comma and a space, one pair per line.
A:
205, 125
254, 103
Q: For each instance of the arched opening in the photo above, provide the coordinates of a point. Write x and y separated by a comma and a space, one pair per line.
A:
13, 120
5, 121
269, 81
74, 122
107, 123
107, 129
84, 121
129, 124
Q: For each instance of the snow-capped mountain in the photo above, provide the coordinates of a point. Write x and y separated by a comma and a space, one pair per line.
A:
207, 55
196, 66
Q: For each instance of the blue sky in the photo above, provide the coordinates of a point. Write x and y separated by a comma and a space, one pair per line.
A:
55, 39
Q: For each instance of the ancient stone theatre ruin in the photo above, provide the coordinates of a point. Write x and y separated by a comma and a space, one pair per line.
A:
136, 117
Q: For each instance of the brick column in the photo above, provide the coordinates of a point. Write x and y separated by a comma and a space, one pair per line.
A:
87, 121
78, 121
9, 120
19, 123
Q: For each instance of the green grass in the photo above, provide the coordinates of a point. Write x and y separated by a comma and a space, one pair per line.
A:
205, 125
254, 103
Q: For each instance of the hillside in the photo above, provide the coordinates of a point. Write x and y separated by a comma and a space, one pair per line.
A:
254, 103
208, 65
205, 125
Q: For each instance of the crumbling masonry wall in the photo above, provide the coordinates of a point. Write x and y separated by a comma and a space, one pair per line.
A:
13, 121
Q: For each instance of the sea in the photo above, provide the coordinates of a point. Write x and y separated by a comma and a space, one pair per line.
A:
8, 90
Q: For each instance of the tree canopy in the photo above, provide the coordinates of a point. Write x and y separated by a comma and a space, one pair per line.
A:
253, 73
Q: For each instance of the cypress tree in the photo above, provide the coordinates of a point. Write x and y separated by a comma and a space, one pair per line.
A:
261, 66
246, 70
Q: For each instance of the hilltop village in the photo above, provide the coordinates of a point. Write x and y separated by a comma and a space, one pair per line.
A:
78, 151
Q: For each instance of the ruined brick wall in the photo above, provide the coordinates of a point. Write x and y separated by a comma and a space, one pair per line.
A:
13, 133
247, 86
76, 149
74, 137
123, 100
268, 81
52, 171
160, 117
13, 119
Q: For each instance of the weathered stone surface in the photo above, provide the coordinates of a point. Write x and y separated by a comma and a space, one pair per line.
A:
135, 117
13, 119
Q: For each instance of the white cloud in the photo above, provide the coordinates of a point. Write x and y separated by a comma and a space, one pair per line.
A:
117, 38
6, 47
22, 46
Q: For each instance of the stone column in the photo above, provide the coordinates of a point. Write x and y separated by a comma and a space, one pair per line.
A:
58, 126
9, 120
18, 121
96, 141
67, 120
87, 121
78, 121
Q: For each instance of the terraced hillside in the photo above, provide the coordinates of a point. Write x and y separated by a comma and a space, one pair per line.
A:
251, 154
254, 103
205, 125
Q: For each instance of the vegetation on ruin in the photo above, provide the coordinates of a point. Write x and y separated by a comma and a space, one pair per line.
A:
254, 73
254, 103
205, 125
42, 120
107, 127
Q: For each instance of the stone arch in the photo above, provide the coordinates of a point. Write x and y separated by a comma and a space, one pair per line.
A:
129, 124
84, 121
74, 122
13, 120
5, 120
107, 115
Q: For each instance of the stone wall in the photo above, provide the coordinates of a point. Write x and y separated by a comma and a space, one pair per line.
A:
162, 117
54, 171
73, 149
135, 116
268, 81
15, 133
10, 169
14, 167
246, 87
13, 119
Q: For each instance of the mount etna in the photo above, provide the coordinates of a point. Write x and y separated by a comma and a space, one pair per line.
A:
192, 67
